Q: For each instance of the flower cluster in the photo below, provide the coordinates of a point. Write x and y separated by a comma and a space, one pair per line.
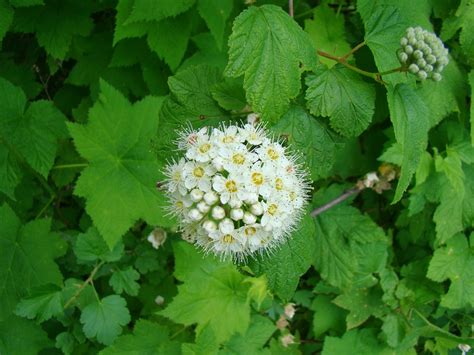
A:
237, 191
423, 53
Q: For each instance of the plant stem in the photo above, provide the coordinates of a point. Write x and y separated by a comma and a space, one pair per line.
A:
344, 62
353, 50
339, 199
50, 201
291, 10
69, 166
81, 288
304, 13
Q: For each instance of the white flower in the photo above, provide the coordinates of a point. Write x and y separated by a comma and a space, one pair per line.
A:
175, 177
230, 188
157, 237
198, 175
237, 192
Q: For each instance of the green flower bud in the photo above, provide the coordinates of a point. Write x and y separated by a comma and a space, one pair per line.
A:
408, 49
413, 68
403, 57
430, 59
421, 62
436, 76
422, 75
428, 68
404, 41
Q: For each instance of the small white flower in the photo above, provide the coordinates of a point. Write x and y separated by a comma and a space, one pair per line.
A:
227, 243
230, 188
253, 134
202, 150
226, 137
175, 177
235, 159
271, 152
198, 175
274, 212
157, 237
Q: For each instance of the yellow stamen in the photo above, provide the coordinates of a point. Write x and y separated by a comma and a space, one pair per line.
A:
292, 195
231, 186
272, 153
198, 172
257, 178
250, 231
238, 159
204, 148
228, 239
272, 209
228, 139
179, 204
278, 183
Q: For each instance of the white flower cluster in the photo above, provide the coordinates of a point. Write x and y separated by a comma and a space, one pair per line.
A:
423, 53
236, 191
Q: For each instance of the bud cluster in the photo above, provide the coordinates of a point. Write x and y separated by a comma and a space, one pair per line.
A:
423, 53
237, 191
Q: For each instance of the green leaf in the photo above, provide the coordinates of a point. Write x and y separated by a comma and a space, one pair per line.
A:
150, 10
216, 13
6, 19
341, 95
21, 336
90, 247
125, 280
327, 316
22, 3
169, 39
471, 82
28, 253
361, 304
65, 341
350, 247
229, 94
252, 342
212, 293
355, 342
311, 138
147, 338
26, 133
55, 24
455, 261
285, 266
43, 303
409, 116
384, 26
205, 344
115, 141
267, 47
123, 29
104, 318
327, 32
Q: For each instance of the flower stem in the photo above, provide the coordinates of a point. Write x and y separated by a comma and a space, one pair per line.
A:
351, 67
291, 10
343, 197
50, 201
353, 50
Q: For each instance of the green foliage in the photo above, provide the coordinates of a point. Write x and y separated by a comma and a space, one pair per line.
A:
93, 96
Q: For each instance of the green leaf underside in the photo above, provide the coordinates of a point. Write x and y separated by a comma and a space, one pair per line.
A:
120, 161
341, 95
267, 47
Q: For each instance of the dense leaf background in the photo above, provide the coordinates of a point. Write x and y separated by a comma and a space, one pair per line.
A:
91, 96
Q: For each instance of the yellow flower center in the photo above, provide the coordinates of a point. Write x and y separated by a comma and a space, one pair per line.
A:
272, 209
228, 239
231, 186
204, 148
177, 176
238, 159
250, 231
228, 139
292, 195
179, 204
278, 183
257, 178
272, 153
198, 172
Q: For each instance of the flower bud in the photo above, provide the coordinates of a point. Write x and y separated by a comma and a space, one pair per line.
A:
236, 214
256, 209
436, 76
418, 54
196, 195
209, 226
409, 49
251, 198
249, 218
403, 57
226, 225
403, 41
218, 212
210, 198
422, 75
203, 207
421, 63
413, 68
235, 203
195, 215
428, 68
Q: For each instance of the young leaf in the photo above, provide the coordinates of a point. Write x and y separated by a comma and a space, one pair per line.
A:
312, 138
90, 247
104, 318
327, 32
216, 13
287, 264
147, 338
455, 261
28, 253
43, 303
22, 336
115, 141
341, 95
26, 133
213, 293
409, 116
55, 24
125, 280
267, 47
